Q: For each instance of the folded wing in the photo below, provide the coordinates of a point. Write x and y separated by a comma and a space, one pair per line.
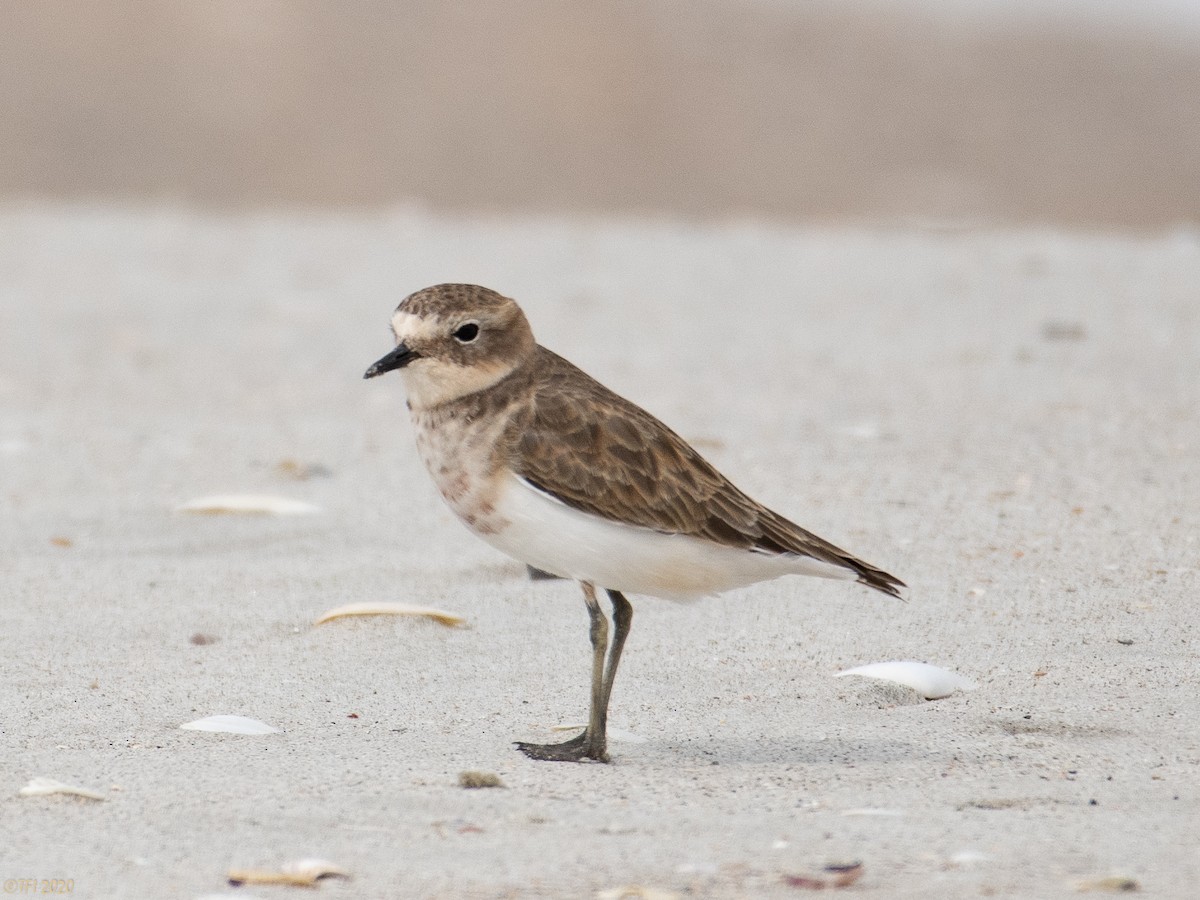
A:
597, 452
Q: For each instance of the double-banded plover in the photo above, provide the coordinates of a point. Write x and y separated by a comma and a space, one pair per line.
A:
553, 468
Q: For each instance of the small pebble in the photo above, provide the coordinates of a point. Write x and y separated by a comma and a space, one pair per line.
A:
1063, 331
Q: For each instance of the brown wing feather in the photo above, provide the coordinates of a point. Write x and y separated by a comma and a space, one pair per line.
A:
597, 452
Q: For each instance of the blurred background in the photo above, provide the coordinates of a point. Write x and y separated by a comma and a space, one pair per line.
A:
1058, 112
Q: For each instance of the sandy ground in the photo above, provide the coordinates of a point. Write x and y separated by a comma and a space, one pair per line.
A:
1006, 420
1076, 113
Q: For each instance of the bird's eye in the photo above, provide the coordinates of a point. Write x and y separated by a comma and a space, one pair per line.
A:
464, 334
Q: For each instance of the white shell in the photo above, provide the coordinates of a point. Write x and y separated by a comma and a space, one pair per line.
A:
313, 868
931, 682
41, 786
247, 504
449, 619
300, 873
231, 725
637, 892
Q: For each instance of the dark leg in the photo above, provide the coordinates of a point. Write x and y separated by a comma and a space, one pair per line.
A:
591, 743
622, 619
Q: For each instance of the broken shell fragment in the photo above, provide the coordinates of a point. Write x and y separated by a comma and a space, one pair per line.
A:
42, 786
931, 682
449, 619
247, 504
301, 873
637, 892
231, 725
835, 875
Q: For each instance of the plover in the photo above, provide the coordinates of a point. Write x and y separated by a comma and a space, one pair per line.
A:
554, 469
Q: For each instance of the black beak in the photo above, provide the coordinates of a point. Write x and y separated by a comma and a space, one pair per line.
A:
397, 359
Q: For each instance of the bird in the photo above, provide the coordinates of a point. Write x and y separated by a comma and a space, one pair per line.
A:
549, 466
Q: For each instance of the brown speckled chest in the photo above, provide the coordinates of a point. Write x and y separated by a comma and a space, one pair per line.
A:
461, 446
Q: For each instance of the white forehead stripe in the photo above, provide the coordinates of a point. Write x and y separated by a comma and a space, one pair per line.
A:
413, 329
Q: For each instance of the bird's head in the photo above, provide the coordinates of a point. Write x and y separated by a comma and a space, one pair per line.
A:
453, 340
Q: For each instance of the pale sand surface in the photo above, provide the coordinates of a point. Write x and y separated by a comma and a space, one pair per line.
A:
1006, 420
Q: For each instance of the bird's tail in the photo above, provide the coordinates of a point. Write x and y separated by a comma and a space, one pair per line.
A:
878, 579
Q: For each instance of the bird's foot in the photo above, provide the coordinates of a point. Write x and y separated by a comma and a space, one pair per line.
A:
578, 749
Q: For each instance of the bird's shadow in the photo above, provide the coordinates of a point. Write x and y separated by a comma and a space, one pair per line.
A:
750, 750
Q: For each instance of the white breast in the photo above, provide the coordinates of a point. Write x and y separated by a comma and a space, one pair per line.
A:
546, 533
